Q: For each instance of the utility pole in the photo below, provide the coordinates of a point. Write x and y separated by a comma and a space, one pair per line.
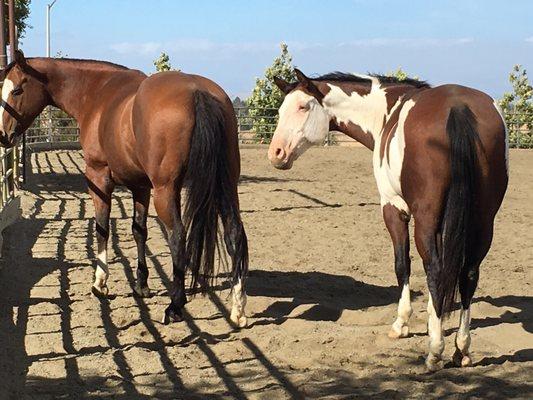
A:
12, 30
48, 9
3, 52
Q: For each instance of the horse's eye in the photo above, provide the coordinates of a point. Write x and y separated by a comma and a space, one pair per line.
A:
17, 91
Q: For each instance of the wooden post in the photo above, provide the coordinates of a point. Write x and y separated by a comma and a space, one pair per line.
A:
3, 52
12, 30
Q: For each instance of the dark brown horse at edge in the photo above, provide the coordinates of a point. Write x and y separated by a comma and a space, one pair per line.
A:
146, 133
440, 155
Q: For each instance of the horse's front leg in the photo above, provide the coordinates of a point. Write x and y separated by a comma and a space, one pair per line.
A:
397, 225
100, 188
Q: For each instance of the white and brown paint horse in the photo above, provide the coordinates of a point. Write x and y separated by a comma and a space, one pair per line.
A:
146, 133
439, 155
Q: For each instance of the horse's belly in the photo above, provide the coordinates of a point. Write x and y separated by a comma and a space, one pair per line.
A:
130, 179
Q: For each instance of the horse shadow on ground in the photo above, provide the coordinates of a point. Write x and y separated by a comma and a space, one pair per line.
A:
327, 294
524, 315
245, 179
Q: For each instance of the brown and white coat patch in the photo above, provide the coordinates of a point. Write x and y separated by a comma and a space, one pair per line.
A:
381, 115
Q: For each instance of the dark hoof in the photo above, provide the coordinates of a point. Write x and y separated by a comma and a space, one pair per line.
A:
172, 316
141, 291
101, 294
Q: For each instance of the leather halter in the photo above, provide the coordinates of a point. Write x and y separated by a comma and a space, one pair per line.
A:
11, 111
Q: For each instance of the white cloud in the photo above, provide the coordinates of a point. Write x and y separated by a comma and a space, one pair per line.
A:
529, 39
136, 48
199, 45
193, 45
400, 42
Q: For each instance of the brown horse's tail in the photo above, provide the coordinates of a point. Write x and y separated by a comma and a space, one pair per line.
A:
212, 196
457, 220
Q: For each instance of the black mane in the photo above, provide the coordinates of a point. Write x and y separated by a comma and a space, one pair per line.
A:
347, 77
81, 60
9, 66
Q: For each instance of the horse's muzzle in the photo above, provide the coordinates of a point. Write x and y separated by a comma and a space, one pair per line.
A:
279, 157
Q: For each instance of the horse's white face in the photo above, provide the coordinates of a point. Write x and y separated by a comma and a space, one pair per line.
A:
302, 122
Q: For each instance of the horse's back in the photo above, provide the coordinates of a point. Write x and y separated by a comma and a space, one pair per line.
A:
432, 108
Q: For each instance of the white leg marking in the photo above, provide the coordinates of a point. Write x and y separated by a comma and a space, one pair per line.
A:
238, 317
400, 327
436, 340
462, 340
102, 272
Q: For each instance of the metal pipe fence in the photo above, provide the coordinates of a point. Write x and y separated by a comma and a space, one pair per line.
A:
10, 173
255, 125
11, 167
520, 128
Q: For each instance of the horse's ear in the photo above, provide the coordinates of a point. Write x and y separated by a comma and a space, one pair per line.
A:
301, 76
308, 84
21, 61
283, 85
19, 58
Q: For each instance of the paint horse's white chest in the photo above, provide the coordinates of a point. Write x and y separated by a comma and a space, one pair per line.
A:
388, 157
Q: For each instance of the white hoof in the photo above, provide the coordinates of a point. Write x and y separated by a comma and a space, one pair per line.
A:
403, 333
238, 319
461, 360
434, 364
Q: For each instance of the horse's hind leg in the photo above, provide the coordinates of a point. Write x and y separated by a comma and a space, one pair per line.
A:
167, 205
397, 225
427, 237
467, 286
100, 188
141, 203
237, 246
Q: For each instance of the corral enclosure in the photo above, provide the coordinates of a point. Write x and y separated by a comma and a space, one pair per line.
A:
322, 295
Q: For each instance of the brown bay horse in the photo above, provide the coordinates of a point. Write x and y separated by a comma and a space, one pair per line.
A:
440, 155
161, 132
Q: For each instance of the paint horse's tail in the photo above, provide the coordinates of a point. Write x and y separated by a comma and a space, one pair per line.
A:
456, 224
212, 195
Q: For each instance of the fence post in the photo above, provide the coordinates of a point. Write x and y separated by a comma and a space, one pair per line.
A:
50, 130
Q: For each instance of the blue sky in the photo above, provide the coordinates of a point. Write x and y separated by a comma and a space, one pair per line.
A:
471, 42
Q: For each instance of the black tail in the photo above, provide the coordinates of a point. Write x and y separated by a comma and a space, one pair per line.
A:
211, 195
456, 224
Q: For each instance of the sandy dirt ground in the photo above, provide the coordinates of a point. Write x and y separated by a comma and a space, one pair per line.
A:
322, 296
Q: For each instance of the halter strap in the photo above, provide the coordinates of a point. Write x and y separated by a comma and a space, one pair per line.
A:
11, 111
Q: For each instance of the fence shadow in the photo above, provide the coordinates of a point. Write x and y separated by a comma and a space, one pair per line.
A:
18, 276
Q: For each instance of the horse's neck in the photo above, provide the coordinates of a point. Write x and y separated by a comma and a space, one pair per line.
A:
72, 89
362, 114
360, 111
